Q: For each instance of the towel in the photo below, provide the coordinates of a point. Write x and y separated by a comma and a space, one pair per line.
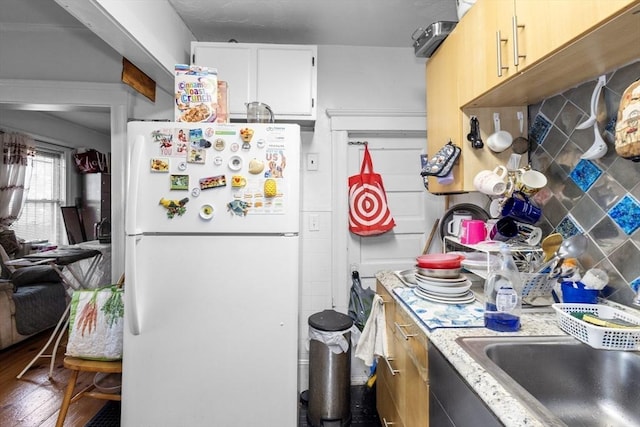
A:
373, 341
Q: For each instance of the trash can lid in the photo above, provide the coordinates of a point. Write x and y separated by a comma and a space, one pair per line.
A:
330, 320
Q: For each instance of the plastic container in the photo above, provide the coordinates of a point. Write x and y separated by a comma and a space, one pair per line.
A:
578, 295
503, 295
598, 336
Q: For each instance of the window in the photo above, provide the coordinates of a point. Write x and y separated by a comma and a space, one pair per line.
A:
41, 217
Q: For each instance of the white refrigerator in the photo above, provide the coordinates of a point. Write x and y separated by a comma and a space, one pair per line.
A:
211, 275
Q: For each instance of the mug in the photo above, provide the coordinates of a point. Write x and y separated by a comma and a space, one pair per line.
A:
472, 231
528, 234
495, 208
504, 229
238, 181
521, 209
453, 226
492, 182
529, 182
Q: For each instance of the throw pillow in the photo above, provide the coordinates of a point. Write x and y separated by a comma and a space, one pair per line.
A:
37, 274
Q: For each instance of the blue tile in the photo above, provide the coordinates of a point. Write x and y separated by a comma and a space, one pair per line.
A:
585, 174
635, 284
568, 227
626, 213
540, 128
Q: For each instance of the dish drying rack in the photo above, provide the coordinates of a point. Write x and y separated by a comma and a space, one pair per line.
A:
533, 284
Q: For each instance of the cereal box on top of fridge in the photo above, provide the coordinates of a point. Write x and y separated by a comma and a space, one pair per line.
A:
196, 93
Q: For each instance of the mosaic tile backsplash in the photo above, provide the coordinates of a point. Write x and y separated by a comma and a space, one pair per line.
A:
597, 197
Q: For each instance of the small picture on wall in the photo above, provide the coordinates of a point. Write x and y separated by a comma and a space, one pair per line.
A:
179, 182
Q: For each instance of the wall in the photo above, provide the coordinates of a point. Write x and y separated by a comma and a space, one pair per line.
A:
599, 197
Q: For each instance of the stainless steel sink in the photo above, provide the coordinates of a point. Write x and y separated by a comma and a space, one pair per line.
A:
563, 381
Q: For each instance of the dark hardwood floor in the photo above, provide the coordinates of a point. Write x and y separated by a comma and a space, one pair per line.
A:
34, 400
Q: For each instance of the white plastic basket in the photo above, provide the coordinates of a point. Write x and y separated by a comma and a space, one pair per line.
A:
536, 284
599, 336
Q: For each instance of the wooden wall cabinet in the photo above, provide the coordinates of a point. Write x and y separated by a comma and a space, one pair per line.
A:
282, 76
402, 389
557, 47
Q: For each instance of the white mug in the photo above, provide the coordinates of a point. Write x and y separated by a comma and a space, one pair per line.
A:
529, 182
453, 226
492, 182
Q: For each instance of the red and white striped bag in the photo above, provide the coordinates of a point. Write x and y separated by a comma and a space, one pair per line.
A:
368, 210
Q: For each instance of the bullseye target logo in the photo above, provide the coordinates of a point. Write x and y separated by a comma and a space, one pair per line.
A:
368, 206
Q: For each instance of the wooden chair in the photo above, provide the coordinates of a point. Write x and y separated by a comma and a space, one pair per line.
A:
77, 365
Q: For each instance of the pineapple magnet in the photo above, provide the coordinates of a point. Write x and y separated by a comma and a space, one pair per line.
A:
270, 188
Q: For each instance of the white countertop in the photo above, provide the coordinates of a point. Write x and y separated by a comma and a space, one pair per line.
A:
508, 409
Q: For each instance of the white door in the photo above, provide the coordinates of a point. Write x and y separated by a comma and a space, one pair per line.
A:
397, 159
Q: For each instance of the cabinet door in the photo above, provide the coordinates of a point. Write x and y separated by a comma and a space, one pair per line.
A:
444, 123
235, 66
486, 46
548, 25
286, 79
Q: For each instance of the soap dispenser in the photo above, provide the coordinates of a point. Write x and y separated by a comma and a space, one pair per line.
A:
503, 294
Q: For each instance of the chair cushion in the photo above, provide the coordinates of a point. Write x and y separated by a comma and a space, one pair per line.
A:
35, 275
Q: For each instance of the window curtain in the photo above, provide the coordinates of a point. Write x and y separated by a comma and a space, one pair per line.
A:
18, 151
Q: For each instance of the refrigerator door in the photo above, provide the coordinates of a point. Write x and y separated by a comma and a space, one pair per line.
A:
206, 178
218, 332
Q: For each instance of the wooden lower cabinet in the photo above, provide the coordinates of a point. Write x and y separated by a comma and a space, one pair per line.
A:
402, 390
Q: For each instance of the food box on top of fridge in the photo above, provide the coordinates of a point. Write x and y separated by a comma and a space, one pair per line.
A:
196, 95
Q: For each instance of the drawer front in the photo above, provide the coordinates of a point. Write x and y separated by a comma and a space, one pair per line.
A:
414, 341
385, 404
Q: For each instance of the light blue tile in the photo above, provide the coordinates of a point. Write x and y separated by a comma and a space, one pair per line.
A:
626, 213
540, 128
585, 174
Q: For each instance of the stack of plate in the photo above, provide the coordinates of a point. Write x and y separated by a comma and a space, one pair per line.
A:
453, 290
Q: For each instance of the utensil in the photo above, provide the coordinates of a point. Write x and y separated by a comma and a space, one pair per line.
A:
520, 145
594, 104
550, 245
598, 149
474, 134
499, 140
572, 247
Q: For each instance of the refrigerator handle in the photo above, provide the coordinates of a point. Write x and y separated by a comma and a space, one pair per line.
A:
134, 183
130, 295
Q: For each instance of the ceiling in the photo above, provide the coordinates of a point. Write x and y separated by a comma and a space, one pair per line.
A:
381, 23
386, 23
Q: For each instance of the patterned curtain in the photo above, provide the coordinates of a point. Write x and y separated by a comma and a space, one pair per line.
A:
18, 151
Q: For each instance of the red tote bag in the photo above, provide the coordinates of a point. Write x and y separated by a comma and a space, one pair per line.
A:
368, 210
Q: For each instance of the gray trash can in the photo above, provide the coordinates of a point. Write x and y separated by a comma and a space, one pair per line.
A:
329, 369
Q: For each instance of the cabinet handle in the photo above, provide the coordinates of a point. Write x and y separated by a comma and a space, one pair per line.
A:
516, 54
402, 332
387, 423
388, 360
499, 41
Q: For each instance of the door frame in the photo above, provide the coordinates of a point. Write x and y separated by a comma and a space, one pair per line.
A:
50, 95
362, 123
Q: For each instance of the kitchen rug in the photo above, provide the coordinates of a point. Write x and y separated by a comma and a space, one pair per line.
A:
434, 315
108, 416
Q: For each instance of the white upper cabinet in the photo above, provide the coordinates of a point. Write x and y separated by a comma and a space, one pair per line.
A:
282, 76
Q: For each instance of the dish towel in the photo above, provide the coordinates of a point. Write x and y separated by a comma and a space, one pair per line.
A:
373, 341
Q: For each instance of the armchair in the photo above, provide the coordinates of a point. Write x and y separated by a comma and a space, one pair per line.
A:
32, 299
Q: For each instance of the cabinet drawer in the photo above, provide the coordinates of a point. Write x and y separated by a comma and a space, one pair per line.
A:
414, 342
387, 410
